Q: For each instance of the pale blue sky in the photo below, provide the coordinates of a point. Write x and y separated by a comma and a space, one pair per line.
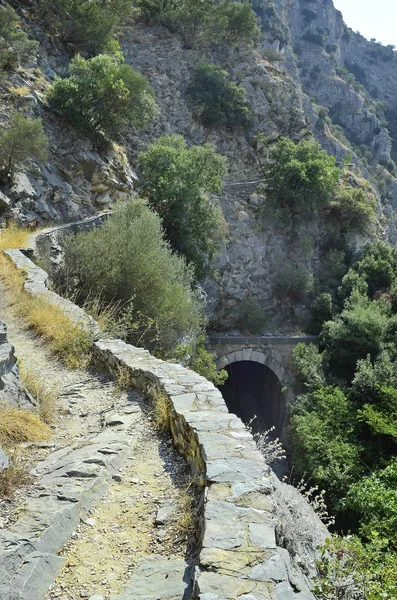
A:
372, 18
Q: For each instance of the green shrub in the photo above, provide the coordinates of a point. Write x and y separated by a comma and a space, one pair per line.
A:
226, 22
322, 312
272, 55
15, 47
301, 178
21, 140
368, 569
358, 331
251, 316
352, 210
195, 356
103, 95
373, 499
294, 281
234, 23
332, 268
221, 101
176, 180
323, 442
128, 261
307, 362
85, 25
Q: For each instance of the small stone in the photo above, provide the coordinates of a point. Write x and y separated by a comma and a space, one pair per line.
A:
90, 521
97, 597
84, 594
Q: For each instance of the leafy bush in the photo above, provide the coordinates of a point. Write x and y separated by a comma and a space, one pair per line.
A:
176, 180
358, 331
201, 361
21, 140
321, 311
307, 362
227, 23
251, 317
128, 261
323, 443
352, 210
221, 101
373, 499
85, 25
15, 47
300, 177
234, 23
294, 281
103, 95
360, 570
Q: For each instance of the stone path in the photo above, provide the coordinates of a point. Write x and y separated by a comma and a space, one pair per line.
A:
106, 495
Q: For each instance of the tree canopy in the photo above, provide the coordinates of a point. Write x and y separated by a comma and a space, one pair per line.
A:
103, 95
177, 181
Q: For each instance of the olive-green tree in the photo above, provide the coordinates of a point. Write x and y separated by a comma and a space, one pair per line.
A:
15, 47
22, 139
220, 101
127, 262
300, 178
103, 95
88, 26
176, 180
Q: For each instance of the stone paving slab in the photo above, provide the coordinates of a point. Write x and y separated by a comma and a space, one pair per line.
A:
69, 483
159, 579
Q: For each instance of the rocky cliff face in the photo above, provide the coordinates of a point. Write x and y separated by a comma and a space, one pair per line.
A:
317, 55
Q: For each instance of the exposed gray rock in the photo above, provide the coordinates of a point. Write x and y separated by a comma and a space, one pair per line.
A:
159, 579
164, 513
11, 392
4, 460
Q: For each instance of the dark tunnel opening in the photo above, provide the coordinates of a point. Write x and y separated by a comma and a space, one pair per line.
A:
252, 389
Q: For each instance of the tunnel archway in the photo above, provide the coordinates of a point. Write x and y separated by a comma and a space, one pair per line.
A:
253, 389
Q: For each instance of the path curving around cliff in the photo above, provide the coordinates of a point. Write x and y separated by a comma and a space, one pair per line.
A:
107, 491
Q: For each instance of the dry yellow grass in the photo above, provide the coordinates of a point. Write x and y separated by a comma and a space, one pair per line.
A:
18, 425
124, 379
21, 91
13, 237
12, 478
66, 339
186, 514
46, 395
161, 413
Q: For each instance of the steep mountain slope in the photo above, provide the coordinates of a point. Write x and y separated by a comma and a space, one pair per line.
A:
299, 82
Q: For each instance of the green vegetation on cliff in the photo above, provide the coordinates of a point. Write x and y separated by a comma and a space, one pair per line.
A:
102, 95
177, 181
127, 261
344, 427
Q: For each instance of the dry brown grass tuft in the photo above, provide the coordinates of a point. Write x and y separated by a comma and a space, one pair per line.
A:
186, 514
18, 425
124, 378
12, 237
46, 395
65, 338
21, 91
161, 413
13, 478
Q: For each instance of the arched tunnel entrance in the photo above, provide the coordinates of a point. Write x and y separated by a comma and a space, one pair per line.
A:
252, 389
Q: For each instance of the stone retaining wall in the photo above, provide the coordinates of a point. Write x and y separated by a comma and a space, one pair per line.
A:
240, 557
